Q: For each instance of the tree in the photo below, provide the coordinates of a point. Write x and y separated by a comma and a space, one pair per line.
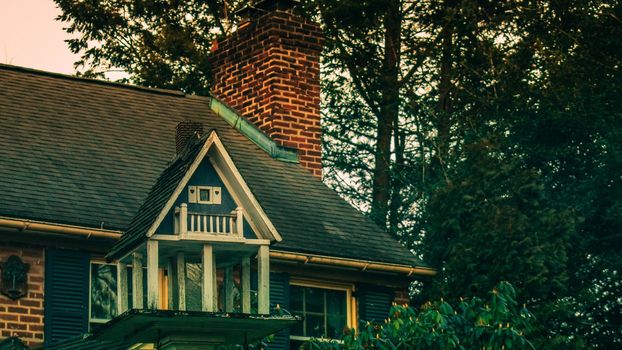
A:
483, 134
158, 43
495, 323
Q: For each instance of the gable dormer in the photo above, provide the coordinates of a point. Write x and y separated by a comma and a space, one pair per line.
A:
199, 221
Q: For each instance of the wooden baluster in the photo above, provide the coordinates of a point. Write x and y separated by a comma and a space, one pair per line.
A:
217, 224
211, 223
230, 226
191, 222
204, 223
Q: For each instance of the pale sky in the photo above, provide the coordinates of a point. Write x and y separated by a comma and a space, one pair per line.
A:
30, 37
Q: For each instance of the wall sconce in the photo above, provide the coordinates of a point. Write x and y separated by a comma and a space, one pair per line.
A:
14, 278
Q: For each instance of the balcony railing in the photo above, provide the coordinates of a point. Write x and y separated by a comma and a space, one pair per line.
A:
231, 224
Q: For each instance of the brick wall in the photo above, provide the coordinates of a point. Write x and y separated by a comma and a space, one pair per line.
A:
269, 71
24, 317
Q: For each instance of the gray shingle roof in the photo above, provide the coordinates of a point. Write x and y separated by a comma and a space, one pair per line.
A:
156, 200
85, 152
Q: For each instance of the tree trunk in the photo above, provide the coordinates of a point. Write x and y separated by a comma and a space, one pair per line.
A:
444, 91
389, 112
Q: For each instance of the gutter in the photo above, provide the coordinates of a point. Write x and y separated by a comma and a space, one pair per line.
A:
30, 226
34, 227
363, 265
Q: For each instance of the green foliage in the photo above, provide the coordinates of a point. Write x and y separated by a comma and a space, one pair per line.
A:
158, 43
495, 323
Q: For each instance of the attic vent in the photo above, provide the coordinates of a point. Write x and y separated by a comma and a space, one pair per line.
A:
184, 132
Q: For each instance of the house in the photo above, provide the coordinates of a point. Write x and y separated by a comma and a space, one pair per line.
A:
116, 197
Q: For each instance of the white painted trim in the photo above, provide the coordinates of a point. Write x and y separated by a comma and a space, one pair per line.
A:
137, 281
253, 208
153, 276
205, 237
263, 288
207, 280
252, 201
223, 177
182, 184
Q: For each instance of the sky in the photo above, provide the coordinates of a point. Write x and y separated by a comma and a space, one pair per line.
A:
30, 37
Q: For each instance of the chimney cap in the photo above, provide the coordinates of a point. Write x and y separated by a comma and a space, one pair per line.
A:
263, 6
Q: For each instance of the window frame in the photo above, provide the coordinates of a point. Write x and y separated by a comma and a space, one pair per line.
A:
351, 305
92, 262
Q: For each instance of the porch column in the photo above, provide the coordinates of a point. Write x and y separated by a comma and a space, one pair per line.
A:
137, 281
208, 278
246, 285
170, 283
228, 287
121, 287
153, 287
181, 281
263, 292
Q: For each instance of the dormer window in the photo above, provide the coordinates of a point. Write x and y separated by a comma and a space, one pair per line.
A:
204, 195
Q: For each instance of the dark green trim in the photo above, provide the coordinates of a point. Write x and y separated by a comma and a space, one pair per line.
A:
249, 130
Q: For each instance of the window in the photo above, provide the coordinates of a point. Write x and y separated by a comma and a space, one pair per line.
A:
326, 310
103, 292
103, 296
204, 195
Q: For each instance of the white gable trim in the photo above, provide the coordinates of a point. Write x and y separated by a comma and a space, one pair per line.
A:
242, 194
238, 188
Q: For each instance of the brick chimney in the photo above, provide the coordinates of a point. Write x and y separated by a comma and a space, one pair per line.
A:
269, 71
184, 132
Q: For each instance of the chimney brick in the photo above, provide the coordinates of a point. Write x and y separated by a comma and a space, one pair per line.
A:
185, 130
269, 71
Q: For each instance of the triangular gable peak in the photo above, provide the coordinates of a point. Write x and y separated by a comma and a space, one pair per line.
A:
171, 197
214, 193
224, 229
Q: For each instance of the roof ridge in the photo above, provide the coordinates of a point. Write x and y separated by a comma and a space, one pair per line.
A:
22, 69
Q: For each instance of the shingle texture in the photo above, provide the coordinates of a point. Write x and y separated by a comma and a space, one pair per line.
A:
156, 200
87, 153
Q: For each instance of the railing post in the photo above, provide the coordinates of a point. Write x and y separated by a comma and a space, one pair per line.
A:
183, 219
239, 221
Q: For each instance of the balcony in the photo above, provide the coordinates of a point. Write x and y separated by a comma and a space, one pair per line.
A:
231, 224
